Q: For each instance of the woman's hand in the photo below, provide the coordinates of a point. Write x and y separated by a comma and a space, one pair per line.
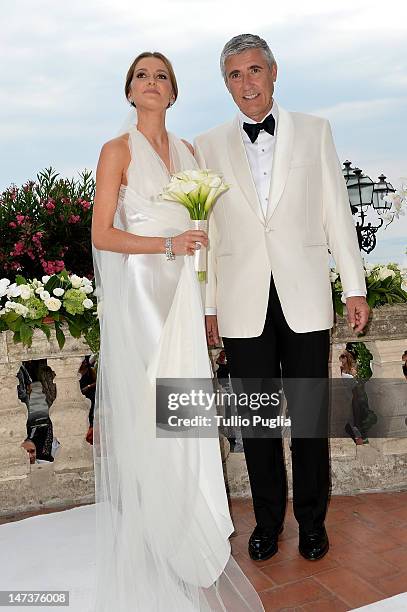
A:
186, 243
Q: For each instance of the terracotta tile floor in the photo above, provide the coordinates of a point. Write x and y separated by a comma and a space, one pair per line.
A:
367, 560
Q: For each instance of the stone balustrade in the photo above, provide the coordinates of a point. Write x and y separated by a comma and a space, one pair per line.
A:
70, 477
379, 465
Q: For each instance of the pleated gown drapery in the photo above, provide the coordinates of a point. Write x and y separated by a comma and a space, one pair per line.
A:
162, 518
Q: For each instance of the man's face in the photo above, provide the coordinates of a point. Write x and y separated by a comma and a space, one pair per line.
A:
29, 446
250, 80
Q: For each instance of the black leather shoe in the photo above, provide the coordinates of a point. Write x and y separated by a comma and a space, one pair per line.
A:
313, 545
263, 543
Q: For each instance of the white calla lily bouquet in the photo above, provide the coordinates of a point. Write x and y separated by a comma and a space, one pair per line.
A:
197, 190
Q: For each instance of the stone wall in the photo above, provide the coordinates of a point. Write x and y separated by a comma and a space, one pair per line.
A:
379, 465
70, 477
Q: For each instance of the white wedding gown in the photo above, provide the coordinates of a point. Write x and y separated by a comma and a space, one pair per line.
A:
162, 517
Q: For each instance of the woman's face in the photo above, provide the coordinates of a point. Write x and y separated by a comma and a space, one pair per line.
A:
151, 87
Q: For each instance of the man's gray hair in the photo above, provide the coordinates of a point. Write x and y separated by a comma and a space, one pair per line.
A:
241, 43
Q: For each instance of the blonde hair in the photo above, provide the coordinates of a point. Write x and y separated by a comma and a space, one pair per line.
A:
164, 60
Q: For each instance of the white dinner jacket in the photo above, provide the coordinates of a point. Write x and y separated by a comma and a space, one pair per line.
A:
308, 212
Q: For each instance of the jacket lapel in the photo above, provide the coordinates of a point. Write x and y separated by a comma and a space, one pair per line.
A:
241, 169
281, 159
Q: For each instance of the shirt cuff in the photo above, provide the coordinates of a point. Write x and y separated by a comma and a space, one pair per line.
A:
210, 310
352, 293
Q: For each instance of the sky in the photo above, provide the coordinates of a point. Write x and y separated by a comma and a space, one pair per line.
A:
64, 64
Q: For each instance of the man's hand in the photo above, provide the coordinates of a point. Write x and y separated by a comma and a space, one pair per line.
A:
358, 312
28, 445
212, 334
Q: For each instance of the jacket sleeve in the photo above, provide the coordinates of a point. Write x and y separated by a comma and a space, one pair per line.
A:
338, 221
210, 290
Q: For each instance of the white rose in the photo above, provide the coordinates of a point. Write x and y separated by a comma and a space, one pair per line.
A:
384, 273
333, 276
87, 303
13, 291
44, 295
87, 289
9, 306
4, 283
26, 292
20, 309
45, 279
58, 291
86, 281
76, 281
53, 304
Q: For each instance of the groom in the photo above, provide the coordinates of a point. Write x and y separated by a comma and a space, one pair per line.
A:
268, 293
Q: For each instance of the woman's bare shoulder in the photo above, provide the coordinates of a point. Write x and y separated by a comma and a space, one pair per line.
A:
117, 147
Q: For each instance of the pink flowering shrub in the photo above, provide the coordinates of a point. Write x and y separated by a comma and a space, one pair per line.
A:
45, 226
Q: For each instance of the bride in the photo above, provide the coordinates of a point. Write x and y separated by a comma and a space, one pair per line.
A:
162, 518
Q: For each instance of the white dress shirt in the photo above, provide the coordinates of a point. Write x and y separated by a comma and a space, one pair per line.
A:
260, 158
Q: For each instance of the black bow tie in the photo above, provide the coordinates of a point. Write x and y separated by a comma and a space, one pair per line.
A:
253, 129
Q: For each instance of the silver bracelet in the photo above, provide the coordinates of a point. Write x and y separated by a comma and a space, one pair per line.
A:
169, 254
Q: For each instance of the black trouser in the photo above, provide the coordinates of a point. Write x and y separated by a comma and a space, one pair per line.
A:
280, 351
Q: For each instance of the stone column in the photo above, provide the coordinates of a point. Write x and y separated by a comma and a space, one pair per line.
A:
13, 417
69, 415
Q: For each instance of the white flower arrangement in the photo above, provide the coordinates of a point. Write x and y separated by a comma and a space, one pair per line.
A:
29, 304
385, 283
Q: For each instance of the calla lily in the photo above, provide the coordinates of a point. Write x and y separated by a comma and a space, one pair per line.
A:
214, 193
195, 189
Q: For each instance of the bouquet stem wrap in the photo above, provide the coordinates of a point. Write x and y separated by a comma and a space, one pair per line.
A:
200, 254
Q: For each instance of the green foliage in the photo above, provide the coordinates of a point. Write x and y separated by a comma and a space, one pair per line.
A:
31, 304
385, 284
363, 358
45, 226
